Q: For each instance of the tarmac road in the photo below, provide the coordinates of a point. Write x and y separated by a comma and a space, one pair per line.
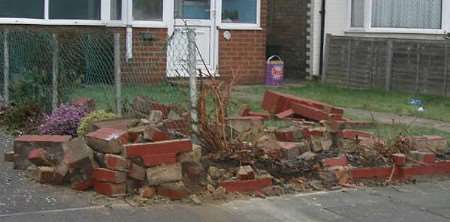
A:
24, 200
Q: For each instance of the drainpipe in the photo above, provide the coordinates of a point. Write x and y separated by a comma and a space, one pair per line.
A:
322, 36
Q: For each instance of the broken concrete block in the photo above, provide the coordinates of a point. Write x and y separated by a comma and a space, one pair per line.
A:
147, 192
290, 151
76, 152
110, 189
116, 162
137, 172
110, 176
307, 156
107, 140
246, 173
9, 156
164, 174
173, 191
24, 144
39, 157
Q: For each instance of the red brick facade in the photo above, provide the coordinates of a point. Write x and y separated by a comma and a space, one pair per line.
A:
245, 53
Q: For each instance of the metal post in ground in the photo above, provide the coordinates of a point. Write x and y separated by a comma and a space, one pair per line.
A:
191, 67
6, 67
117, 74
55, 72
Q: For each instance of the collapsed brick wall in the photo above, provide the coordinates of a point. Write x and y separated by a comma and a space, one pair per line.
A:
287, 34
245, 53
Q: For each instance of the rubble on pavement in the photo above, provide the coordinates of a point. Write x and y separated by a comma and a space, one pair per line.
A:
311, 146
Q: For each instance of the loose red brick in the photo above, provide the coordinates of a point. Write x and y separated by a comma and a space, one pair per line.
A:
47, 175
370, 173
173, 191
157, 148
335, 162
356, 134
285, 114
399, 159
137, 172
110, 189
311, 113
24, 144
82, 185
110, 176
246, 173
116, 162
155, 160
9, 156
245, 186
147, 192
39, 157
291, 134
245, 110
107, 140
154, 134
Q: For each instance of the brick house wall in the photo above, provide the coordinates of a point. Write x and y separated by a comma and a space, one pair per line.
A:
287, 34
245, 53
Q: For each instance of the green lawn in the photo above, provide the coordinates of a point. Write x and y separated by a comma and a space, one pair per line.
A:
436, 107
373, 100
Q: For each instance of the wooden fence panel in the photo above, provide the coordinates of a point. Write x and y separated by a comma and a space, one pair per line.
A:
415, 66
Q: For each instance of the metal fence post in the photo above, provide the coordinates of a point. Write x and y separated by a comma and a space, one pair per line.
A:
6, 67
117, 74
191, 67
389, 57
55, 72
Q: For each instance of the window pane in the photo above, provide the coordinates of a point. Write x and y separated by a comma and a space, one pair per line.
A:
239, 11
192, 9
357, 13
79, 9
116, 9
22, 9
420, 14
147, 10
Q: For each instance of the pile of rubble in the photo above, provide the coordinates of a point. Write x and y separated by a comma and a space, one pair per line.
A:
297, 144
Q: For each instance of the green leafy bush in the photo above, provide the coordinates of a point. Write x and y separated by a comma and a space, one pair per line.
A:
88, 120
22, 118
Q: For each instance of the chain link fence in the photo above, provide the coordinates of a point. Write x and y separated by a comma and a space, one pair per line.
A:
53, 68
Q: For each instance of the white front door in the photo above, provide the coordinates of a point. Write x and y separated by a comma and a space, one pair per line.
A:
198, 15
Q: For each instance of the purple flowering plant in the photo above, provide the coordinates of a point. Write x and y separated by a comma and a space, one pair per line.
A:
63, 121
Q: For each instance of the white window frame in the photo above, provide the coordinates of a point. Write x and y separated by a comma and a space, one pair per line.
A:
105, 17
445, 21
239, 26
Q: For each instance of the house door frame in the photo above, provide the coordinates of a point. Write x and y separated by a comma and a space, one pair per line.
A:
211, 23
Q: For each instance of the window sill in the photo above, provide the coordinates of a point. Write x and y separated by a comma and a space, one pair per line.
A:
235, 26
396, 31
50, 22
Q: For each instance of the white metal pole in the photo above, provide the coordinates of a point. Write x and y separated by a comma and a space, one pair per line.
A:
192, 63
117, 74
55, 72
6, 67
